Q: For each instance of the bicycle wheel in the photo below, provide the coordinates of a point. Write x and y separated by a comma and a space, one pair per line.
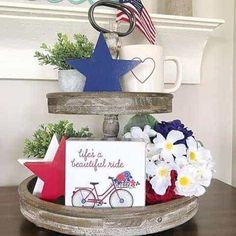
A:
121, 198
83, 198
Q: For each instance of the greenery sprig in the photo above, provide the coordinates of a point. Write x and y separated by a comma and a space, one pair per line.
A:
65, 49
38, 145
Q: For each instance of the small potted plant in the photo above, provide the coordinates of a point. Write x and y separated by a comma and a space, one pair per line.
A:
70, 80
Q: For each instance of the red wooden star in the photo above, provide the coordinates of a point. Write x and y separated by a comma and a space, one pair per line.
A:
52, 174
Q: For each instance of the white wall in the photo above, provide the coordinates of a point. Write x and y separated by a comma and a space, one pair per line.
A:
234, 107
206, 108
23, 107
215, 95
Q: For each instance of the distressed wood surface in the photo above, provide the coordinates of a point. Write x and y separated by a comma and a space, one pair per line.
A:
216, 208
107, 103
104, 222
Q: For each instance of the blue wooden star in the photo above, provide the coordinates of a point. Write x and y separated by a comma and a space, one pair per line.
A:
102, 72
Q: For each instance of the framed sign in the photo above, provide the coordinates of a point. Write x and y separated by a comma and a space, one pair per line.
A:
105, 173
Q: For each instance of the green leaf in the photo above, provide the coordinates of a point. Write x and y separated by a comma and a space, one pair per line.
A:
64, 49
140, 121
38, 145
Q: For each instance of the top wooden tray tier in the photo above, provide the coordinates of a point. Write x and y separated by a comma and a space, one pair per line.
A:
105, 103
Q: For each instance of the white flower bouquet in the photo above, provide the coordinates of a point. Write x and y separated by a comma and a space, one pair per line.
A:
177, 164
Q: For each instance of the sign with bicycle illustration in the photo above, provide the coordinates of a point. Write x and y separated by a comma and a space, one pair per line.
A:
105, 174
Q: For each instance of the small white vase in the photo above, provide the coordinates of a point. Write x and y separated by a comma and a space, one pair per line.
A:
71, 81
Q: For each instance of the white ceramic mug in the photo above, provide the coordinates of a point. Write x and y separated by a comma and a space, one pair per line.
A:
148, 76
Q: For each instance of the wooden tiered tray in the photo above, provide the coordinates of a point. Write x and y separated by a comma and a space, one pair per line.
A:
104, 222
99, 222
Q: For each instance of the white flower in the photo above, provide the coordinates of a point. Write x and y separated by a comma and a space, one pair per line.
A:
150, 132
207, 159
195, 152
137, 133
187, 183
204, 176
194, 177
160, 176
168, 147
201, 158
181, 162
152, 153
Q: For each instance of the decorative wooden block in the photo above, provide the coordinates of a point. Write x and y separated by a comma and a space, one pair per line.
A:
104, 222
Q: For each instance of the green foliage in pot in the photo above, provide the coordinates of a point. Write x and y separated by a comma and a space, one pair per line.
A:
38, 145
64, 49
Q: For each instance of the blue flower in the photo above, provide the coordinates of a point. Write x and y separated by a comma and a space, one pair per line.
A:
165, 127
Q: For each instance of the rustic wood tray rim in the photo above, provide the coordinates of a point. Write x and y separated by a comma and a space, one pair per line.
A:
99, 212
109, 103
104, 222
108, 94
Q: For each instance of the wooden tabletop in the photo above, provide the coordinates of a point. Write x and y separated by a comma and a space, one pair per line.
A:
216, 216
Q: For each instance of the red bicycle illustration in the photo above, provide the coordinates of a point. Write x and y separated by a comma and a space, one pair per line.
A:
88, 197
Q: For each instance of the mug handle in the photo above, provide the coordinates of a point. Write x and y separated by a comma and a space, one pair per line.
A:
179, 74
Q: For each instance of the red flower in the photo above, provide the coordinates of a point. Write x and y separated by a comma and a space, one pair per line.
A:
153, 198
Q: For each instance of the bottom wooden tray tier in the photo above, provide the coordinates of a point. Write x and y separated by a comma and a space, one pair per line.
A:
120, 221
